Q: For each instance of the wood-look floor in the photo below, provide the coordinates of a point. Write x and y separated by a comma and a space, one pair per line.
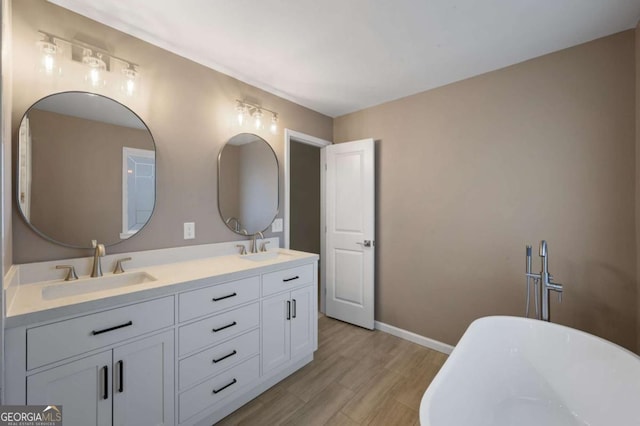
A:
358, 377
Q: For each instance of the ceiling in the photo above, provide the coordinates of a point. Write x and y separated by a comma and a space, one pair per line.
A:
90, 107
340, 56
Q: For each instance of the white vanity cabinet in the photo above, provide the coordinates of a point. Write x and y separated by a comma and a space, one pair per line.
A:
289, 318
128, 385
287, 327
189, 353
128, 381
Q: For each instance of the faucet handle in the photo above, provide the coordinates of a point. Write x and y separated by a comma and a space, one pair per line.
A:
118, 269
71, 272
263, 247
243, 249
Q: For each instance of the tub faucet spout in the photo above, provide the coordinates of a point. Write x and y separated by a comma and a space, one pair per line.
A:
546, 282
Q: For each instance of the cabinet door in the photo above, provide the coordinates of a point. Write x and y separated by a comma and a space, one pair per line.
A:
82, 387
143, 382
275, 331
303, 318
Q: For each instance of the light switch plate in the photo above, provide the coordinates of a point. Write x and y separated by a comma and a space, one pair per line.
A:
189, 230
276, 226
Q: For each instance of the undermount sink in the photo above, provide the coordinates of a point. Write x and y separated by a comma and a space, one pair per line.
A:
90, 285
264, 255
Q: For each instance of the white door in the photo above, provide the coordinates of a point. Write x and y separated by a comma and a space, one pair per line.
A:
303, 316
82, 387
143, 382
276, 315
350, 218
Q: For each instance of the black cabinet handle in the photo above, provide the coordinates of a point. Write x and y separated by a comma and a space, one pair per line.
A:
105, 378
224, 297
294, 308
290, 279
106, 330
215, 330
120, 376
225, 357
225, 386
288, 310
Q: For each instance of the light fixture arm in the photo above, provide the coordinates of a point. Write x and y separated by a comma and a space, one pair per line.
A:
251, 108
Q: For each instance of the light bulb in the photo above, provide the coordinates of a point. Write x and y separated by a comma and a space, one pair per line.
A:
48, 62
96, 66
258, 118
241, 111
130, 75
274, 123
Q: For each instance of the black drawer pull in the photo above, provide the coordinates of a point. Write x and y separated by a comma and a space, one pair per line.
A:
120, 376
290, 279
225, 297
215, 330
106, 330
225, 386
225, 357
105, 378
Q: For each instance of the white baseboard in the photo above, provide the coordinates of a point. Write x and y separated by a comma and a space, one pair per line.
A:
415, 338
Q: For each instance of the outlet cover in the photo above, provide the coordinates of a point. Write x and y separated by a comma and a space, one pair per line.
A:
276, 226
189, 230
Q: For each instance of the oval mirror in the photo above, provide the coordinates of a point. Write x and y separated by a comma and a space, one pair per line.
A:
248, 191
85, 171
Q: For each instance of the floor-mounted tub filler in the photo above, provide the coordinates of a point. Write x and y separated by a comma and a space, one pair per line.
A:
516, 371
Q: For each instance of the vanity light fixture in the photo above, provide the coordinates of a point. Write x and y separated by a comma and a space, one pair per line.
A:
241, 110
247, 109
97, 67
49, 50
130, 74
99, 62
257, 116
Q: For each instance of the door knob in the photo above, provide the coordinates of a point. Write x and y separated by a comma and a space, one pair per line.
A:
365, 243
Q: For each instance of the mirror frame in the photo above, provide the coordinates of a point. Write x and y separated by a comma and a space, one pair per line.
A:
17, 182
275, 156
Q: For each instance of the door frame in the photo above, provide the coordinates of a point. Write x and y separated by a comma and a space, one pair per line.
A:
299, 137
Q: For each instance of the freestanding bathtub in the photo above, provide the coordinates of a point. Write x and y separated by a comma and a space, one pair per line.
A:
509, 371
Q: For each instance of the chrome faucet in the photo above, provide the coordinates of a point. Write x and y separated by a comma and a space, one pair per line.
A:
254, 242
98, 252
236, 226
545, 279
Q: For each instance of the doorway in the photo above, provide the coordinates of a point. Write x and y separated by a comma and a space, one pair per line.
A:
304, 199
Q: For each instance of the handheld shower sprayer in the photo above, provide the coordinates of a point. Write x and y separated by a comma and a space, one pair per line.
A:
536, 303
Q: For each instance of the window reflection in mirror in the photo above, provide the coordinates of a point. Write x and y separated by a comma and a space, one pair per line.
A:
86, 170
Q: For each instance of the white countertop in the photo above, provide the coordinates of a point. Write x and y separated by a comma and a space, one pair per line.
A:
26, 306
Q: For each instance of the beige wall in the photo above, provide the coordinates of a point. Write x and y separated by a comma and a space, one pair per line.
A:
189, 108
637, 91
76, 188
471, 172
304, 223
7, 90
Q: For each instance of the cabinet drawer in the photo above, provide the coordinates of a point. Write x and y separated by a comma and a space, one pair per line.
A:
212, 299
53, 342
218, 388
286, 279
214, 360
210, 331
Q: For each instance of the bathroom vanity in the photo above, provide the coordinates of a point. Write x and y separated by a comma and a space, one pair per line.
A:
181, 343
